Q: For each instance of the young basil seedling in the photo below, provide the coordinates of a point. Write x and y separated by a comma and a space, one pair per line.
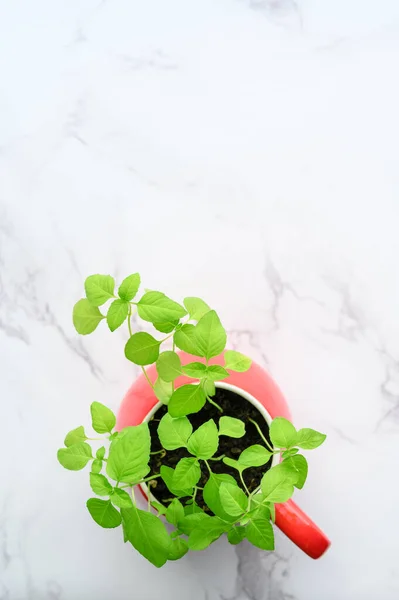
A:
204, 502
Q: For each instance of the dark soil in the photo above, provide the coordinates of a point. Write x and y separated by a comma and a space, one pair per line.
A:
233, 405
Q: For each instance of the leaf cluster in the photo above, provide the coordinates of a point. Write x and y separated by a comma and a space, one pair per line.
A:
230, 507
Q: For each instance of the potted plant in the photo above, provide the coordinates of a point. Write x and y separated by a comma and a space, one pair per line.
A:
195, 435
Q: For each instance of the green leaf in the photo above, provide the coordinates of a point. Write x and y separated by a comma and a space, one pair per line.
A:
167, 474
174, 512
256, 500
166, 326
254, 456
174, 534
210, 335
211, 494
231, 427
147, 534
297, 465
196, 307
163, 390
290, 452
174, 433
196, 370
260, 511
142, 349
206, 532
159, 507
216, 373
177, 549
190, 522
121, 498
103, 513
99, 289
234, 500
75, 457
117, 313
96, 466
282, 433
187, 473
236, 535
204, 442
75, 436
100, 453
308, 439
86, 317
169, 366
192, 508
277, 484
129, 287
209, 387
185, 339
103, 419
260, 533
129, 454
156, 308
186, 399
235, 361
234, 464
100, 485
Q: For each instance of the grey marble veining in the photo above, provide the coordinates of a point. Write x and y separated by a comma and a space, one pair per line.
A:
243, 151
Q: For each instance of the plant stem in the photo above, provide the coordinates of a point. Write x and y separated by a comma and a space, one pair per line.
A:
262, 436
243, 483
218, 457
167, 337
158, 452
214, 404
149, 479
129, 316
146, 376
256, 490
173, 349
128, 485
209, 468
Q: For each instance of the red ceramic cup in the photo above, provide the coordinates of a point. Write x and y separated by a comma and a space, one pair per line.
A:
257, 387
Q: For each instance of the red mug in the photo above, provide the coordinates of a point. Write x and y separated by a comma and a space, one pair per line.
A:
140, 402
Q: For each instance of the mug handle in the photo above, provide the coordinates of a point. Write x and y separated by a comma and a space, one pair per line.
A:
300, 529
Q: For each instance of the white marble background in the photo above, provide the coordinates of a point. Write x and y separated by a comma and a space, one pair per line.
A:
242, 150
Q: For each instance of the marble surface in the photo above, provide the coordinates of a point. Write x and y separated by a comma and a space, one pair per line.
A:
242, 150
